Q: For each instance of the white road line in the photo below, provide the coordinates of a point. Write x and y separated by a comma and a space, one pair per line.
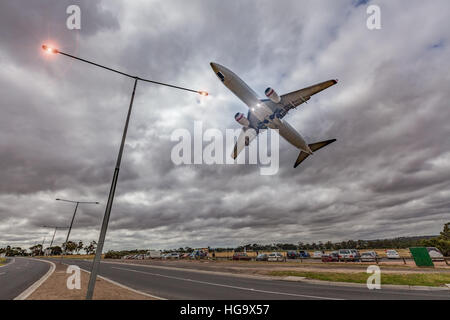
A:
228, 286
38, 283
2, 273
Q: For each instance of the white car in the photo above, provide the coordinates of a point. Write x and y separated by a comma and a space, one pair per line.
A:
392, 254
435, 254
317, 254
346, 255
172, 255
367, 257
275, 257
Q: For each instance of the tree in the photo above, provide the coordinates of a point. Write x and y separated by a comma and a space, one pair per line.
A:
445, 234
79, 246
36, 249
442, 242
70, 246
90, 249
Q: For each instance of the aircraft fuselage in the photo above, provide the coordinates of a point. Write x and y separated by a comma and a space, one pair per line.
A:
258, 108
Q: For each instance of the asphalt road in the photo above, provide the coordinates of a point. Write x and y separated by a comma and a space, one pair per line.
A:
18, 275
190, 285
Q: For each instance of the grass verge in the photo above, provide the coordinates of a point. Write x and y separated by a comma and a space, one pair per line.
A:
2, 261
415, 279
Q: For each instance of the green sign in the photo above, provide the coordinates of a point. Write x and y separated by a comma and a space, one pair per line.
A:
421, 257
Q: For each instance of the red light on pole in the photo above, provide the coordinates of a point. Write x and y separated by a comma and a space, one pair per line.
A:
49, 49
203, 93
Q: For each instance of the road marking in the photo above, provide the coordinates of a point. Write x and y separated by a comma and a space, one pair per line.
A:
228, 286
2, 273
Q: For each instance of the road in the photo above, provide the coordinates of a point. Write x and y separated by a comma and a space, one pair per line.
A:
170, 283
19, 274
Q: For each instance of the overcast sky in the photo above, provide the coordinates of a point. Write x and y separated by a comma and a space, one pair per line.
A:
388, 174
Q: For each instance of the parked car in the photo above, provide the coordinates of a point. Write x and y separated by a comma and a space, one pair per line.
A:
185, 255
318, 254
172, 255
292, 255
241, 256
356, 254
330, 257
367, 257
392, 254
153, 254
373, 253
198, 254
346, 255
303, 254
262, 257
275, 257
435, 254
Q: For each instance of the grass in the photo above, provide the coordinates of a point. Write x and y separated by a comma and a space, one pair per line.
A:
2, 261
415, 279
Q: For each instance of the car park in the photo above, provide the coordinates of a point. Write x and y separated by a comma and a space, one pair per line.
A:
330, 257
262, 257
241, 256
275, 257
435, 254
392, 254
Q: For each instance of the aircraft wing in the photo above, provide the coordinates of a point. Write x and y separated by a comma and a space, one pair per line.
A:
296, 98
245, 138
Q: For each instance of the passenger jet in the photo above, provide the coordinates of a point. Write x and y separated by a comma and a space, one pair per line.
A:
269, 113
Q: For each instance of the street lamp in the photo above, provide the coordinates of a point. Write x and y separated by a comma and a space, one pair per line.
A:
101, 240
54, 233
71, 223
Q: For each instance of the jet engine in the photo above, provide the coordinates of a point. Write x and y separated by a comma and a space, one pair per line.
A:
272, 95
241, 119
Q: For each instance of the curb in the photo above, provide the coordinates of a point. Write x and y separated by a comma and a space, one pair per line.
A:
38, 283
8, 263
361, 285
122, 285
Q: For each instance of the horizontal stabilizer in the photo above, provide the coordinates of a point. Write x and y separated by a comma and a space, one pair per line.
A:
314, 147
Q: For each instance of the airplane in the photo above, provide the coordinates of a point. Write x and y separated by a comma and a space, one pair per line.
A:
269, 113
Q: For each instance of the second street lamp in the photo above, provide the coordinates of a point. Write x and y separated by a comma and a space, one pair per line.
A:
71, 223
100, 243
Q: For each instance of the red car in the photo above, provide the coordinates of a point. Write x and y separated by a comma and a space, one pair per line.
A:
241, 256
330, 257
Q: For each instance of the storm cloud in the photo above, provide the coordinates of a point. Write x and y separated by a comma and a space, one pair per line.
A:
61, 120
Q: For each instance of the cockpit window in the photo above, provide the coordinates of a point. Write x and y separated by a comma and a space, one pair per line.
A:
220, 75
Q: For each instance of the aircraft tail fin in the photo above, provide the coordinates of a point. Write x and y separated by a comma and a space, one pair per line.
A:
314, 147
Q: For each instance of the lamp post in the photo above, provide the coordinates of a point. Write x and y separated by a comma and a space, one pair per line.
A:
54, 233
71, 222
101, 240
